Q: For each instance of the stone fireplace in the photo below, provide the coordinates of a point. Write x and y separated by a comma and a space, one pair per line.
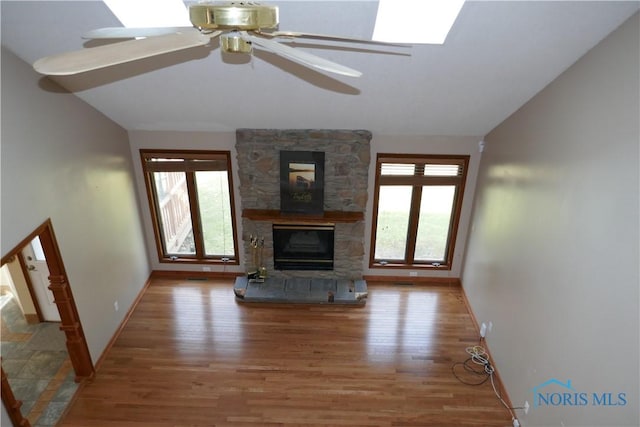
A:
347, 157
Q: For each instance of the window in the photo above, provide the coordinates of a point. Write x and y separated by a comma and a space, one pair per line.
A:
191, 200
417, 205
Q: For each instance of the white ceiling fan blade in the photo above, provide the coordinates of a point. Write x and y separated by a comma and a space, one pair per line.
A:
300, 57
297, 34
103, 56
131, 33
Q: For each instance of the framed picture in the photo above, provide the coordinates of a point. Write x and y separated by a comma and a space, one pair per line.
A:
302, 182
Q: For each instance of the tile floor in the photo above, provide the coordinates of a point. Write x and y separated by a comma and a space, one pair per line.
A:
37, 365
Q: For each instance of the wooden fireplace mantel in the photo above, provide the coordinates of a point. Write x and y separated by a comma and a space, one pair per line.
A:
278, 216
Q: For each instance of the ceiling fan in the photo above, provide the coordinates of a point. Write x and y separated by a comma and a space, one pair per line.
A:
240, 27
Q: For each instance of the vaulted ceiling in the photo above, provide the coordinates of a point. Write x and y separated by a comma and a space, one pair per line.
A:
497, 56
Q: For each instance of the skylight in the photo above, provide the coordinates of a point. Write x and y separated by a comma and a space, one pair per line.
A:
150, 13
415, 21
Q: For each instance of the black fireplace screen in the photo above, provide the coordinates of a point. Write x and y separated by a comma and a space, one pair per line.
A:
303, 246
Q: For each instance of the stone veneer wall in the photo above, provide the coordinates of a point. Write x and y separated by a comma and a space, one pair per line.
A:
347, 159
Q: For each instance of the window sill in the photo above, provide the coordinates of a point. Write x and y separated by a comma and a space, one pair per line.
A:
180, 260
398, 266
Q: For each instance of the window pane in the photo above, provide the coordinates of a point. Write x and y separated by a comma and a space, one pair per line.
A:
442, 170
174, 212
394, 204
397, 169
215, 212
436, 208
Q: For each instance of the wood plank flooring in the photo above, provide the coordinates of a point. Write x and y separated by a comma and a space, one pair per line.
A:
191, 355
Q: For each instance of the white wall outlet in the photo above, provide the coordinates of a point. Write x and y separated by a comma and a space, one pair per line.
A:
206, 268
116, 307
526, 407
413, 273
483, 330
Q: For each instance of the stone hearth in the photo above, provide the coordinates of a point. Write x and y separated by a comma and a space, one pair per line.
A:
302, 291
346, 170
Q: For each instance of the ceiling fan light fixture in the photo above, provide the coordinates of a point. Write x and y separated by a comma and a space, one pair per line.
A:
415, 21
234, 43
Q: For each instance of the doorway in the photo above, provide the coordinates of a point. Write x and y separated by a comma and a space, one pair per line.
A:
33, 260
49, 293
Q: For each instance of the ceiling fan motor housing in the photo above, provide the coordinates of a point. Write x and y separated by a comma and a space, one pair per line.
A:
233, 16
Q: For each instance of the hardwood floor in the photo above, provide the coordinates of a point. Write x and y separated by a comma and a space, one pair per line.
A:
191, 355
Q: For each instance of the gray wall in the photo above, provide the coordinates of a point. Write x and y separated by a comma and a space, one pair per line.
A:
63, 160
553, 252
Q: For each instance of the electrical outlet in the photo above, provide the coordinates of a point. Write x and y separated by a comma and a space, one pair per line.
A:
526, 407
413, 273
115, 306
206, 268
483, 330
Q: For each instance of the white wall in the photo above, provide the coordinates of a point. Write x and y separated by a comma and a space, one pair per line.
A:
553, 252
13, 276
63, 160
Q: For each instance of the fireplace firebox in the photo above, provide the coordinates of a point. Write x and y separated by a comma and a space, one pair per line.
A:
303, 246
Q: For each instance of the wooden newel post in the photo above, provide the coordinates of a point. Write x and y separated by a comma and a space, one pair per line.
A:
69, 318
11, 404
76, 344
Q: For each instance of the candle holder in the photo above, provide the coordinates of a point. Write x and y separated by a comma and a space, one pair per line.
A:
257, 270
